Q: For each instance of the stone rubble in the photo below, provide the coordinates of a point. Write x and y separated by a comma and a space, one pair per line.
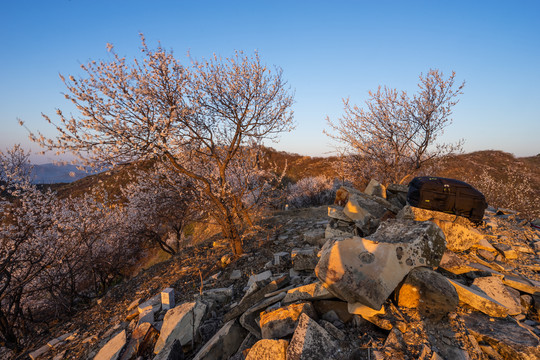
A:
379, 280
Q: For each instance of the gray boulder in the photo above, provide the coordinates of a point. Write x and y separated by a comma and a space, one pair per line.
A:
367, 270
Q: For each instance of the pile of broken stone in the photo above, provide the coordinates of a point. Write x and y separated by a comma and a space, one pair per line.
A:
436, 286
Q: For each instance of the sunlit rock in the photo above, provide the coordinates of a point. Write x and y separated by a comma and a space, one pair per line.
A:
459, 237
111, 350
313, 291
336, 212
429, 292
504, 295
479, 300
282, 322
268, 349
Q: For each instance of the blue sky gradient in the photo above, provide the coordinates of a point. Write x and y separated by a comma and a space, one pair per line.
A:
328, 51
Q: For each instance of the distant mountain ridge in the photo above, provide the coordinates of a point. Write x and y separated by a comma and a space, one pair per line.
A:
57, 173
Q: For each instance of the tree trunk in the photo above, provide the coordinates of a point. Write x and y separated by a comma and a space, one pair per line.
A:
231, 233
7, 333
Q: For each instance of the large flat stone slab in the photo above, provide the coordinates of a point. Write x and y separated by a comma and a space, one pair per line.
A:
180, 323
367, 270
495, 289
459, 237
111, 350
479, 301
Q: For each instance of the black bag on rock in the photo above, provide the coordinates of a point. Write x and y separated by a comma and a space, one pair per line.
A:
448, 196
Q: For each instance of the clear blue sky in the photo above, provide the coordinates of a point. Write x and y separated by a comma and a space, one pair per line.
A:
328, 50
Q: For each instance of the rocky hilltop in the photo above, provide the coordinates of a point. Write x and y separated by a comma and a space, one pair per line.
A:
366, 278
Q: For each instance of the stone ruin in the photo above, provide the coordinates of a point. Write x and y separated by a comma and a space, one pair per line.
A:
431, 285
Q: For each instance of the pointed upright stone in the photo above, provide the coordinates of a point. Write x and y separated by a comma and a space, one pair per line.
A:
180, 323
311, 341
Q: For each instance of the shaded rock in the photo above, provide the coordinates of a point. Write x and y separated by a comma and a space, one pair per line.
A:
235, 274
153, 303
331, 232
314, 237
429, 292
311, 341
397, 192
268, 349
526, 302
340, 308
394, 345
250, 300
332, 330
142, 342
304, 259
39, 352
172, 351
535, 309
355, 210
367, 270
487, 255
250, 320
259, 277
506, 250
281, 257
506, 296
224, 343
112, 349
180, 323
282, 322
314, 291
504, 335
478, 300
219, 295
376, 189
147, 316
